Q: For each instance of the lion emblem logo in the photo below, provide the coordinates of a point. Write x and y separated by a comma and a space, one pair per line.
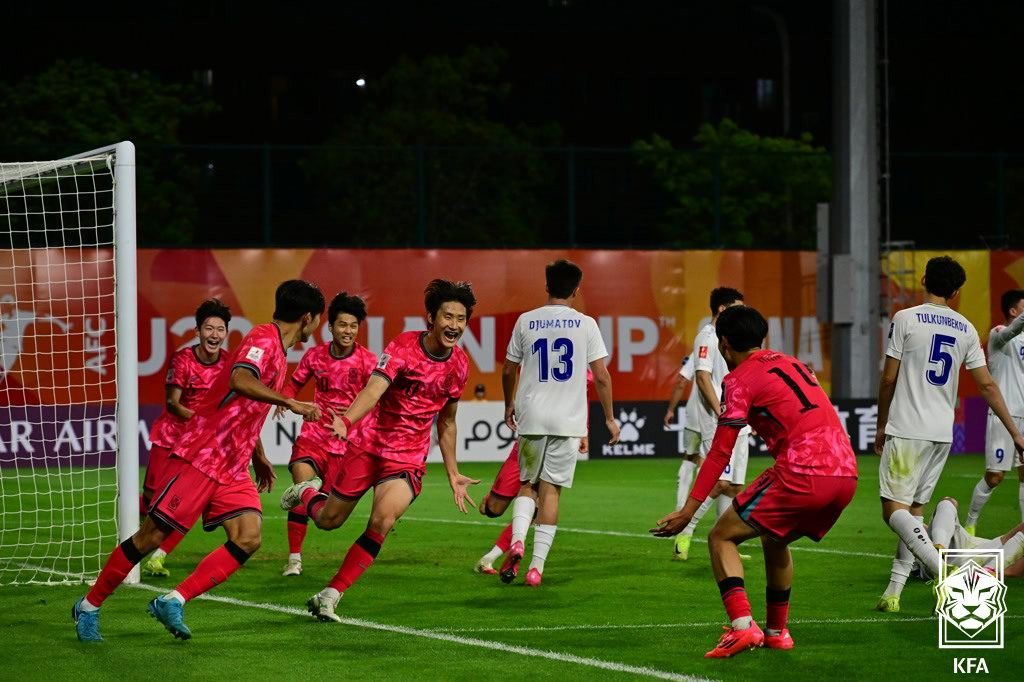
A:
971, 599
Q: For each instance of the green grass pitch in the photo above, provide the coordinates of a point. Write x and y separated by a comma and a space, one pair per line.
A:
613, 604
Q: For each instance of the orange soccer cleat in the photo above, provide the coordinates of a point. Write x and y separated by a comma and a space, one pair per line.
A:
779, 641
735, 641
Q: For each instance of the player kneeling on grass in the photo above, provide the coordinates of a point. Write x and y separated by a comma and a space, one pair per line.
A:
340, 369
802, 495
420, 376
208, 472
191, 373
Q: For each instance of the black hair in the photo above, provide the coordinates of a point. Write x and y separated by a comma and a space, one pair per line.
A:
743, 327
212, 307
442, 290
723, 296
1009, 299
346, 303
296, 297
563, 276
943, 276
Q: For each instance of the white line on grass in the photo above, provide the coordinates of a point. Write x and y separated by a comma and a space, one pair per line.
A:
561, 657
621, 534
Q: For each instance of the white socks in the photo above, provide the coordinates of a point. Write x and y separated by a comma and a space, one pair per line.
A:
292, 556
543, 536
912, 531
175, 595
701, 511
330, 593
684, 480
493, 555
88, 607
723, 503
157, 553
1013, 549
943, 523
742, 623
982, 492
522, 516
901, 567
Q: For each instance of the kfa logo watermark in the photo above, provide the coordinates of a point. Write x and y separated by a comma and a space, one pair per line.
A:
971, 604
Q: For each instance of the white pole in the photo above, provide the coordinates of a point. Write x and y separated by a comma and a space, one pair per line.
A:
127, 352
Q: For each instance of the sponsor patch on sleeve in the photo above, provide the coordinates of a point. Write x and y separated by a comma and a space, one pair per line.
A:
703, 353
254, 354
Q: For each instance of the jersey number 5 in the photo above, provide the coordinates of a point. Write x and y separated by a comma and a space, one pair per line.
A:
561, 347
939, 356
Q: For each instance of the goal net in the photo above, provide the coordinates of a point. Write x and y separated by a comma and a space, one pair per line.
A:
68, 364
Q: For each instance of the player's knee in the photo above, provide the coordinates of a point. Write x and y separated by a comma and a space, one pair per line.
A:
950, 500
382, 523
249, 542
994, 478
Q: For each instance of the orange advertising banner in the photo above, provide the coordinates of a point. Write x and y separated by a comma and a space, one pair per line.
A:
648, 304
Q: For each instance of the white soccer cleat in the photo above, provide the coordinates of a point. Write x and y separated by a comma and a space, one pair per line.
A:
293, 567
323, 607
485, 567
293, 495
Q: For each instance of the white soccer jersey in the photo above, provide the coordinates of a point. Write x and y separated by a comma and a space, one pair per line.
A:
554, 344
706, 358
1006, 362
690, 412
931, 342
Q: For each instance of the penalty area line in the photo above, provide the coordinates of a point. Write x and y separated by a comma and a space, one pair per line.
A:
561, 657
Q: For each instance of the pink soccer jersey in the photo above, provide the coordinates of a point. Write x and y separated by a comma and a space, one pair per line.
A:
780, 397
398, 428
220, 437
337, 381
194, 378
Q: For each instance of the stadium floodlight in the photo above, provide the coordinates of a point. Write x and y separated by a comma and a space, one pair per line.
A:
69, 417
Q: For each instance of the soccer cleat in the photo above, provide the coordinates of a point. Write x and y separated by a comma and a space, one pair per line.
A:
293, 495
485, 568
87, 623
293, 567
171, 614
510, 569
783, 640
323, 608
533, 578
735, 641
155, 566
681, 547
888, 604
970, 528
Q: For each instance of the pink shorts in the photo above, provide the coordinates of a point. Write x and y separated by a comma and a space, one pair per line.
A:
358, 471
188, 493
506, 483
787, 505
323, 462
158, 456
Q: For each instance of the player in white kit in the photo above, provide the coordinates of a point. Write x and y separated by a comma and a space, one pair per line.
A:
709, 369
547, 407
1006, 360
691, 435
916, 395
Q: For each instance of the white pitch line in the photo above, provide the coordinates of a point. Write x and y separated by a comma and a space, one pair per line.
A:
668, 626
558, 656
621, 534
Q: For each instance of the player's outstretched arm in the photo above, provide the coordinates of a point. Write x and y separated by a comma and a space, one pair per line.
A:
603, 385
361, 405
1000, 338
994, 397
886, 390
446, 440
245, 383
509, 380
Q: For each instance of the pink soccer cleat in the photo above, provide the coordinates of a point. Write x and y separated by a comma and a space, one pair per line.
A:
735, 641
510, 569
533, 577
779, 641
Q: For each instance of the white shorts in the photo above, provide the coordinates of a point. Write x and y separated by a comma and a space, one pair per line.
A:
736, 471
1000, 455
548, 458
691, 442
910, 469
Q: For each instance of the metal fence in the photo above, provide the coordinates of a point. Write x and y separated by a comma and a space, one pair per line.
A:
222, 195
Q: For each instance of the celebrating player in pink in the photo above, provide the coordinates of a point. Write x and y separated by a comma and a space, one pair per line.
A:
339, 370
802, 495
190, 375
420, 376
208, 472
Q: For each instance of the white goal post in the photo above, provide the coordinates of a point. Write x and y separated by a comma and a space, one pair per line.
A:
69, 406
